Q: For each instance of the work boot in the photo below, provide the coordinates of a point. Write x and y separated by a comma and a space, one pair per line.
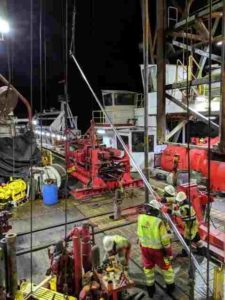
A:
151, 290
201, 251
183, 253
170, 288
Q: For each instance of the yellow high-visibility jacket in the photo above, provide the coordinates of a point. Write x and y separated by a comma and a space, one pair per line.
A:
188, 215
121, 242
152, 232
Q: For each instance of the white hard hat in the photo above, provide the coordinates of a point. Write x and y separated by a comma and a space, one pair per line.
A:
108, 243
169, 189
155, 204
181, 196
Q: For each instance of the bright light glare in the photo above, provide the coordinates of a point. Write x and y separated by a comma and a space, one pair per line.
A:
4, 26
58, 137
101, 131
200, 98
48, 134
219, 43
34, 122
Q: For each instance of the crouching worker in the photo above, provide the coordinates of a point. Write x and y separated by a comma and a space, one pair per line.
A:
117, 245
187, 213
155, 246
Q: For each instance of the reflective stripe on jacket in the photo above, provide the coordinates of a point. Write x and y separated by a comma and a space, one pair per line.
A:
188, 215
152, 232
187, 212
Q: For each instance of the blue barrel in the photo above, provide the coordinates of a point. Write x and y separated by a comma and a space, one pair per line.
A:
50, 194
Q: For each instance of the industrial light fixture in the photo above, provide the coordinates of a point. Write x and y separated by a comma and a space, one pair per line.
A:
58, 137
53, 135
48, 134
101, 131
4, 26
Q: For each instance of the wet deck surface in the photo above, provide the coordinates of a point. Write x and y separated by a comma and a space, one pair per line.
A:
44, 216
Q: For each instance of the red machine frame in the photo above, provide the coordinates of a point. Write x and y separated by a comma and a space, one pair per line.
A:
199, 201
97, 167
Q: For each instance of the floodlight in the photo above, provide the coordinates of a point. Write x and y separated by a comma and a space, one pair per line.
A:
4, 26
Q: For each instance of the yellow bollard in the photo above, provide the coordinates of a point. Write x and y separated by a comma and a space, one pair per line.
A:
218, 283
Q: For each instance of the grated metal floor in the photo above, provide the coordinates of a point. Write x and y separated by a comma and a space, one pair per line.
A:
45, 216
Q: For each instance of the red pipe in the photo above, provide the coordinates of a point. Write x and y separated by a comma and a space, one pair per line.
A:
77, 261
23, 99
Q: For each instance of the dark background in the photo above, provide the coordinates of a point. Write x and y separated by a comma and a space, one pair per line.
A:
107, 40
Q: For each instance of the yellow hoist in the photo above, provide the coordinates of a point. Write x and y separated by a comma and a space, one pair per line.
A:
14, 191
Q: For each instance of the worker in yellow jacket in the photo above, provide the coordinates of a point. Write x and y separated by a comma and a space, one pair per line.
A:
117, 245
155, 246
188, 215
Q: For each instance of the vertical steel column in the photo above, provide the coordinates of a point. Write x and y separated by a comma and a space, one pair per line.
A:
145, 56
161, 71
222, 102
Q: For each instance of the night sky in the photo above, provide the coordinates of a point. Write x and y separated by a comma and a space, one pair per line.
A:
107, 40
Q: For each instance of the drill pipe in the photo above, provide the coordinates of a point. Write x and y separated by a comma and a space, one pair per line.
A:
3, 246
11, 263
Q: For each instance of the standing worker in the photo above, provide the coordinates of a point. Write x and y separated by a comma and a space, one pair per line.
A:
155, 246
117, 245
188, 215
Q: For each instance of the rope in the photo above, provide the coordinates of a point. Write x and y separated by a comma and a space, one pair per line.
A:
73, 31
188, 88
41, 71
31, 166
66, 135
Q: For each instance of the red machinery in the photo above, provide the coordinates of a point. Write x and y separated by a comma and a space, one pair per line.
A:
67, 264
4, 224
198, 162
98, 168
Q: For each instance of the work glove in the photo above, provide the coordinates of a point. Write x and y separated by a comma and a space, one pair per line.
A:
163, 200
170, 258
169, 211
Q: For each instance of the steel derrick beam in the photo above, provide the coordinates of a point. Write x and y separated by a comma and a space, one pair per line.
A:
202, 13
192, 111
195, 82
206, 54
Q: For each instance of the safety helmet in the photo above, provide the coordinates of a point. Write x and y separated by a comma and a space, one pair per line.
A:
108, 243
169, 189
181, 196
154, 204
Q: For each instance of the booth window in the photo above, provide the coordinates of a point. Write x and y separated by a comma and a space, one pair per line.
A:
124, 99
126, 141
138, 142
108, 100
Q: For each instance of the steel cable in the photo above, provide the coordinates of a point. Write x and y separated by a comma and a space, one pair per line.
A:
209, 144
